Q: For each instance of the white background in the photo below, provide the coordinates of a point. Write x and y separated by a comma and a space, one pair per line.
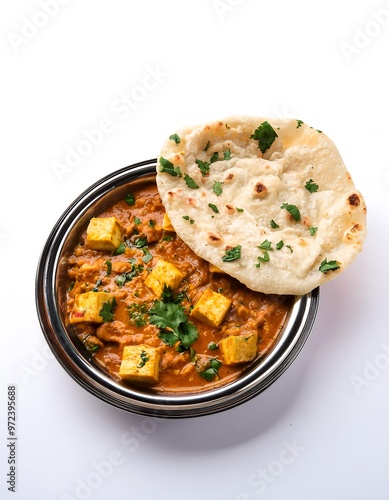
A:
66, 73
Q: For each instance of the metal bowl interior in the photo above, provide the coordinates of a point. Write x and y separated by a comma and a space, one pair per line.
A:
51, 297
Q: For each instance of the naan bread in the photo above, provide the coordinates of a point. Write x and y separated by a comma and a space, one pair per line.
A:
231, 189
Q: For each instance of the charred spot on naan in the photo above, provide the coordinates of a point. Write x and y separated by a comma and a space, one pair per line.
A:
260, 190
354, 200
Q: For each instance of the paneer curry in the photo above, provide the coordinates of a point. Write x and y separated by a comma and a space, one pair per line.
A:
151, 313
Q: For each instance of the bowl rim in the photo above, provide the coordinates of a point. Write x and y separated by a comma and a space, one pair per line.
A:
264, 373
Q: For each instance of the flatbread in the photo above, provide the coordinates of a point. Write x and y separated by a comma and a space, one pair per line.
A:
252, 174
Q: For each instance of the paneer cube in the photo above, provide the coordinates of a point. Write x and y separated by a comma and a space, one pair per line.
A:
104, 233
164, 274
238, 349
211, 308
87, 306
166, 224
140, 364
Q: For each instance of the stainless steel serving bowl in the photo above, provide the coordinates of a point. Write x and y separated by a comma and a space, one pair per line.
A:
51, 300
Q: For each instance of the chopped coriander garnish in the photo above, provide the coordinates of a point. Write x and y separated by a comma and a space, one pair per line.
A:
331, 265
190, 182
279, 245
167, 237
108, 263
96, 287
239, 209
207, 146
203, 166
290, 248
186, 217
265, 135
311, 186
143, 359
120, 249
266, 245
227, 154
212, 346
217, 188
174, 326
129, 275
130, 199
213, 207
265, 258
168, 167
299, 123
319, 131
274, 224
312, 230
232, 254
176, 138
137, 221
138, 242
147, 256
214, 157
151, 223
106, 310
211, 371
137, 314
293, 210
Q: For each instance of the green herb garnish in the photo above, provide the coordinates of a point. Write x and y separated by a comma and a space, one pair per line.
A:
174, 326
227, 154
265, 135
217, 188
299, 123
213, 207
293, 210
168, 167
214, 157
210, 372
186, 217
137, 314
232, 254
312, 230
120, 249
207, 146
279, 245
176, 138
143, 359
311, 186
203, 166
266, 245
274, 224
331, 265
106, 310
108, 263
130, 199
190, 182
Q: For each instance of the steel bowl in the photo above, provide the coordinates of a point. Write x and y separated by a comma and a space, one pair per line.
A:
51, 300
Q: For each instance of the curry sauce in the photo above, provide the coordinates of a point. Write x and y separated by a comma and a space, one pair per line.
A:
130, 316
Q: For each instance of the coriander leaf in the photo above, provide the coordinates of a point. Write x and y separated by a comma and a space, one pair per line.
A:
265, 258
266, 245
176, 138
331, 265
210, 372
214, 157
190, 182
130, 199
137, 242
147, 257
137, 221
232, 254
290, 248
213, 207
299, 123
279, 245
203, 166
212, 346
186, 217
137, 314
227, 154
143, 359
168, 167
108, 263
207, 146
293, 210
174, 327
312, 230
239, 209
217, 188
311, 186
273, 224
106, 310
265, 135
120, 249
